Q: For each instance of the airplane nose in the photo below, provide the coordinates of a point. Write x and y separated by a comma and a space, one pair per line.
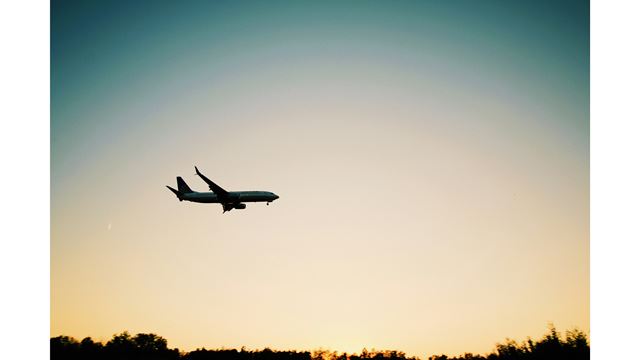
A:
276, 197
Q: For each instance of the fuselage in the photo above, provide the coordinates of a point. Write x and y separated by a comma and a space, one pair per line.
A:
234, 196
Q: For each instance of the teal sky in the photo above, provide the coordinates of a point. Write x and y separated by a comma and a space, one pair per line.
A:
432, 160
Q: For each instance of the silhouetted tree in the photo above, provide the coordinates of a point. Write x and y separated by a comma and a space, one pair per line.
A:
153, 347
64, 347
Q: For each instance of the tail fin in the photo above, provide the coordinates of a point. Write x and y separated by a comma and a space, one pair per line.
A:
183, 187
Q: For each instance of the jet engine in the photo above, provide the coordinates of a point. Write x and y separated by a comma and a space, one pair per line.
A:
240, 206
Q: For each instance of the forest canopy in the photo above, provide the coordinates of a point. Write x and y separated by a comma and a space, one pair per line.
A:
574, 345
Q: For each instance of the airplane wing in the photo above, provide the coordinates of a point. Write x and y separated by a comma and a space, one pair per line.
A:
212, 186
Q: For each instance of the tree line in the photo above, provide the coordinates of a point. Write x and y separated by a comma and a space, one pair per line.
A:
573, 346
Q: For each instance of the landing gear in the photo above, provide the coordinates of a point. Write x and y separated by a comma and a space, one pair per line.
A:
268, 203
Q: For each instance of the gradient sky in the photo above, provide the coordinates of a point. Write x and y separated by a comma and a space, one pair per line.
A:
432, 162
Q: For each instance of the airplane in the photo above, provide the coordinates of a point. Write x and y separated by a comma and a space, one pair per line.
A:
228, 199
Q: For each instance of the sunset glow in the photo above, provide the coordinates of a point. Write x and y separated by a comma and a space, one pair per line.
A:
431, 158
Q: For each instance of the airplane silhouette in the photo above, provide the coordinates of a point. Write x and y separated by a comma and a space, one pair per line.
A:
228, 199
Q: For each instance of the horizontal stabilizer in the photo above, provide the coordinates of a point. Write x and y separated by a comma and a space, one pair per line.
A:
178, 193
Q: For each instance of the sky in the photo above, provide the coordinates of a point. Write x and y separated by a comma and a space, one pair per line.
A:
431, 158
